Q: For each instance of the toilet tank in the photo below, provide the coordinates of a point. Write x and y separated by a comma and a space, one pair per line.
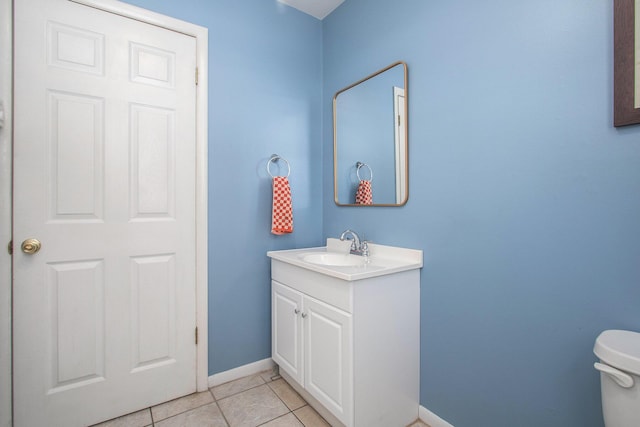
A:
619, 353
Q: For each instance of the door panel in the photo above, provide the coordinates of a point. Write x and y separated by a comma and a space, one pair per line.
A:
76, 318
104, 160
76, 145
153, 286
328, 357
74, 48
286, 334
152, 162
152, 66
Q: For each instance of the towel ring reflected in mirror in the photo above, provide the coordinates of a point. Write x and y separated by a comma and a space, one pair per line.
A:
275, 158
360, 165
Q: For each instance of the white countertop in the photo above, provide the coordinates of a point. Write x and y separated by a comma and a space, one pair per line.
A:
383, 260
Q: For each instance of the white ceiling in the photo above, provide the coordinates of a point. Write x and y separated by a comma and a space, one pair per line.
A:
317, 8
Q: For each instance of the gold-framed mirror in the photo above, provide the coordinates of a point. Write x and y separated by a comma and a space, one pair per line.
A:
370, 140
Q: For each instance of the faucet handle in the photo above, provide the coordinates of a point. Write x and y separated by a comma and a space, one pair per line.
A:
364, 247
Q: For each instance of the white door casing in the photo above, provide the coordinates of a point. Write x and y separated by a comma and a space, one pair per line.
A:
400, 142
6, 49
108, 175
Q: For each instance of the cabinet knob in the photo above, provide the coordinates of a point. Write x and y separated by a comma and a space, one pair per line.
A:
296, 311
304, 315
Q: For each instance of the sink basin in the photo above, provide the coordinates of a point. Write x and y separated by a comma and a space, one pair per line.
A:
334, 259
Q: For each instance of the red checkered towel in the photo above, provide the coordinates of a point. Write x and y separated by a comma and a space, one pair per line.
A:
282, 214
363, 195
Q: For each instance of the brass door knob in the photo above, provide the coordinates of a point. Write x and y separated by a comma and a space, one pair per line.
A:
31, 246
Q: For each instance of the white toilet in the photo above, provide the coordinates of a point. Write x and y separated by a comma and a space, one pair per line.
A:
619, 353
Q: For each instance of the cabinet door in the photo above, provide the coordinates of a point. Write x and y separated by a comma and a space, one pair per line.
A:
286, 330
328, 357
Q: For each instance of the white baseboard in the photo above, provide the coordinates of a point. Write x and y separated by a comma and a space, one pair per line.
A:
432, 419
240, 371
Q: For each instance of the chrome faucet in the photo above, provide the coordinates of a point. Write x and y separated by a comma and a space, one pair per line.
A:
358, 247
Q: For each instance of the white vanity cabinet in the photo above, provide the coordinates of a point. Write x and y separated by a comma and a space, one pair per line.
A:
349, 345
312, 342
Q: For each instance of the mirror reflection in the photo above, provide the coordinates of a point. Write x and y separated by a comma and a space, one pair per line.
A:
370, 140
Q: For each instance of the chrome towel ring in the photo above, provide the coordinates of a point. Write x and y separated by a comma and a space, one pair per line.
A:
275, 158
360, 165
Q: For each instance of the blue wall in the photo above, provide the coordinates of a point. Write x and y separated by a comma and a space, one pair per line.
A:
264, 97
524, 198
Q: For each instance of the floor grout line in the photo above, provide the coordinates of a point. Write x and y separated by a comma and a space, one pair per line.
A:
250, 388
270, 386
222, 413
153, 421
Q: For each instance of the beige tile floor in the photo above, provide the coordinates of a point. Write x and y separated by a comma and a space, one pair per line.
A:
256, 400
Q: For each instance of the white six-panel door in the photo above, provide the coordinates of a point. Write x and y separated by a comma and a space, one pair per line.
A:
104, 160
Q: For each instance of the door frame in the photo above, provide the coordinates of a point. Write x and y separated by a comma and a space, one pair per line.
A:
6, 141
6, 156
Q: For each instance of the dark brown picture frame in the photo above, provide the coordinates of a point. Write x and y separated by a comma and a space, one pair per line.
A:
624, 111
